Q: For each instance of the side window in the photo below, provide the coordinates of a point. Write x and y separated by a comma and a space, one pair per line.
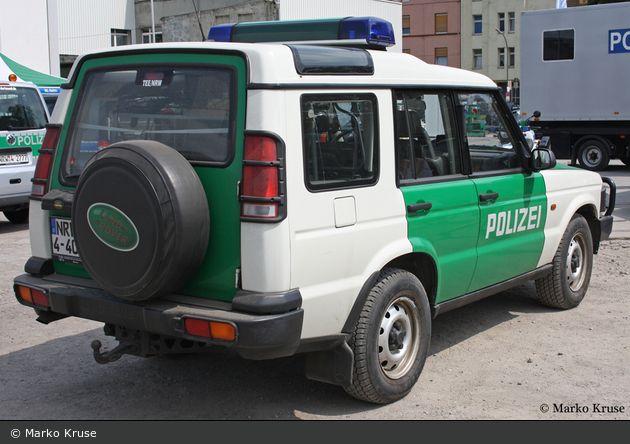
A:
426, 136
490, 139
340, 140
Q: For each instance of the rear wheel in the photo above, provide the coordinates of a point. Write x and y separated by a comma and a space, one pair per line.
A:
566, 286
17, 216
593, 155
391, 339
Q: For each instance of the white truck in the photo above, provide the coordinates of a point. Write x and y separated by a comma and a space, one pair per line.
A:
574, 71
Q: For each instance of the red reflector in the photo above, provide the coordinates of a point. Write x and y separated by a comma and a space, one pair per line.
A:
260, 181
198, 327
39, 298
260, 148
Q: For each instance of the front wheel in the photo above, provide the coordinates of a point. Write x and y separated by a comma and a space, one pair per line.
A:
566, 286
391, 339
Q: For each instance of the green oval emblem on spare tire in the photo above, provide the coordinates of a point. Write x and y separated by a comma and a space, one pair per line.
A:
112, 227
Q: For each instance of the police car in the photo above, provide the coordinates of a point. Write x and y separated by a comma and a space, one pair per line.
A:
282, 191
23, 116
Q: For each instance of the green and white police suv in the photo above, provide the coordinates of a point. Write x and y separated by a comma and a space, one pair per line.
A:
322, 196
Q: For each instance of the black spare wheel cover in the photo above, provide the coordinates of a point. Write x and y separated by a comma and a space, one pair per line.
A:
140, 219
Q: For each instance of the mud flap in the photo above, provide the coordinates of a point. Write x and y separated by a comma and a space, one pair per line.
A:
331, 366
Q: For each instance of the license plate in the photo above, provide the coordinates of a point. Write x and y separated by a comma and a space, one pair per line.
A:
9, 159
64, 248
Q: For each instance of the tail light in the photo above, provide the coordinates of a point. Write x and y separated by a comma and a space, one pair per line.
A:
262, 188
42, 170
31, 296
210, 329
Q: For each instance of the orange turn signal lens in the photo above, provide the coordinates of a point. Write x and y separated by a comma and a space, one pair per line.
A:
25, 294
210, 329
12, 78
225, 332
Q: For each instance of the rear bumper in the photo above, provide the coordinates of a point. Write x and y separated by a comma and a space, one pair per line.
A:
258, 336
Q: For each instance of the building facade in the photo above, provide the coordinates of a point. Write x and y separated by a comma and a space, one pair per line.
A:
28, 34
490, 36
431, 30
186, 20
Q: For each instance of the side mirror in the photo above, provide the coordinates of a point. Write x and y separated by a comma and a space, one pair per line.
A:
543, 159
536, 114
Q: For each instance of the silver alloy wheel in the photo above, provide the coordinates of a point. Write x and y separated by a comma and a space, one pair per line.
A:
399, 338
576, 271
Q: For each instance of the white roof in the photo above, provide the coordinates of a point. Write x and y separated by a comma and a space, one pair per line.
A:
274, 64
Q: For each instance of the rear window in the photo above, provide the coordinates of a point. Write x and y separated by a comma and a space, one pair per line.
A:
20, 109
187, 108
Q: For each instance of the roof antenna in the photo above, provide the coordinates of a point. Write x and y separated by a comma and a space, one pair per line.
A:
203, 36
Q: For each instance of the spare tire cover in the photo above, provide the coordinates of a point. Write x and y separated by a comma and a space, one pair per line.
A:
140, 219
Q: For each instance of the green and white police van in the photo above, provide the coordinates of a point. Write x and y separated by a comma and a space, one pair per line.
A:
322, 196
23, 116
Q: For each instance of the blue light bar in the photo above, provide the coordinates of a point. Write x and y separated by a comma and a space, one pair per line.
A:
372, 31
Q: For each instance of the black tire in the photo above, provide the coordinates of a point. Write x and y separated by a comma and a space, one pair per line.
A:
625, 160
17, 216
159, 203
391, 339
593, 155
566, 286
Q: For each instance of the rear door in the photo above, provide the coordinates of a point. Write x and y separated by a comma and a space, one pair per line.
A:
441, 202
193, 103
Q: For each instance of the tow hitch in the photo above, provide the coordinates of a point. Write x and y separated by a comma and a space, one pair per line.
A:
115, 354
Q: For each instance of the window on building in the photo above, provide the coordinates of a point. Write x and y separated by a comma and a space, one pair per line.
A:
502, 21
441, 23
511, 57
146, 36
243, 18
406, 25
441, 56
477, 59
501, 57
512, 22
223, 19
558, 45
121, 37
477, 24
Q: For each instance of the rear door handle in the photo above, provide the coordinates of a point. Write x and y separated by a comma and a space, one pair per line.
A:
413, 208
488, 196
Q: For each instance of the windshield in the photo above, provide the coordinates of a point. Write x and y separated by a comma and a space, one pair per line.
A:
189, 109
20, 109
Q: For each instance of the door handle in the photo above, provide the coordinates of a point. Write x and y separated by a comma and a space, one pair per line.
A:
412, 208
488, 196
